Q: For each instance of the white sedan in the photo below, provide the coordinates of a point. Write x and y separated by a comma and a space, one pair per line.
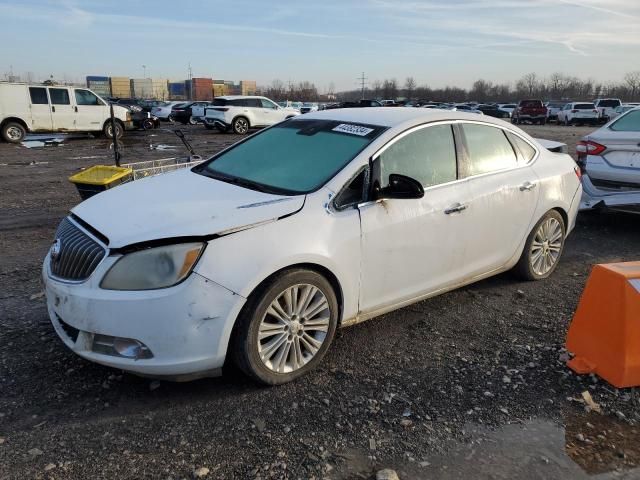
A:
319, 222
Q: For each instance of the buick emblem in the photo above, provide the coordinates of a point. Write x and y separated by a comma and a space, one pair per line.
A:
55, 249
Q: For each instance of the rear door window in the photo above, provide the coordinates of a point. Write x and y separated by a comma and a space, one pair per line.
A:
59, 96
38, 96
629, 122
488, 149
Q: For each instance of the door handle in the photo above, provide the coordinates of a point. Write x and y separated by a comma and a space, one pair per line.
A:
75, 109
53, 109
527, 186
458, 207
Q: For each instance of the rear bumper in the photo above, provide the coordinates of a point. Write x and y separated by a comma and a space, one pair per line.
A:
595, 198
215, 122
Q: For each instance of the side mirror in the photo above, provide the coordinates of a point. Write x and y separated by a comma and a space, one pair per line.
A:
401, 186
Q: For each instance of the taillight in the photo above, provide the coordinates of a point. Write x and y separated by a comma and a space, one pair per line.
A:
595, 111
220, 109
574, 111
584, 148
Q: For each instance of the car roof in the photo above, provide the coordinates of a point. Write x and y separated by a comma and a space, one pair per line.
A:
395, 117
234, 97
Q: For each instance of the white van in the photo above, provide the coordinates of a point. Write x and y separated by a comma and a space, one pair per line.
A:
41, 108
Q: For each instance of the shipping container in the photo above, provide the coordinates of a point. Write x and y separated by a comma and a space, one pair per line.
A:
248, 87
160, 89
177, 88
120, 87
95, 78
142, 87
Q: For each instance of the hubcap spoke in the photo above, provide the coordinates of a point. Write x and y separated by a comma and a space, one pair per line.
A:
546, 246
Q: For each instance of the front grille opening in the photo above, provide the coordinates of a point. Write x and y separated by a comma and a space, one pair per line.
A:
75, 254
71, 332
120, 347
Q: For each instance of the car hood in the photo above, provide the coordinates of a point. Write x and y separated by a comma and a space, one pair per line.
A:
180, 204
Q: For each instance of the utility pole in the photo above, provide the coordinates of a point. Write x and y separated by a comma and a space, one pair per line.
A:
190, 76
144, 71
363, 83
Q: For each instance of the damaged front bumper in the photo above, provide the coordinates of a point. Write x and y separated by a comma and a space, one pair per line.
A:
594, 198
177, 333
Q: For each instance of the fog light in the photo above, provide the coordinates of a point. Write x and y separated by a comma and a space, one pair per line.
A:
120, 347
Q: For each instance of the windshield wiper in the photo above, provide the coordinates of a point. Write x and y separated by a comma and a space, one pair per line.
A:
243, 182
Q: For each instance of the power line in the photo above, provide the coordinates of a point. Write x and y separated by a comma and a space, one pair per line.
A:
363, 83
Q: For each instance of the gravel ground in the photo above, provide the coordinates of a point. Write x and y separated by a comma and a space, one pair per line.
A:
471, 384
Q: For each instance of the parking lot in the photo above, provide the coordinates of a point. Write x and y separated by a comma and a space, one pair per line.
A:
470, 384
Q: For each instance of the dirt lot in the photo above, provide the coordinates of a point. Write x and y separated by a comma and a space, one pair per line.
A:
471, 384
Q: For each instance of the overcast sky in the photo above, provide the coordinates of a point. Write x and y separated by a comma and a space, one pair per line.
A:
438, 42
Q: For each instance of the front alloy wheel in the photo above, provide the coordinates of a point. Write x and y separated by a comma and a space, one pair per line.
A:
240, 126
286, 327
543, 248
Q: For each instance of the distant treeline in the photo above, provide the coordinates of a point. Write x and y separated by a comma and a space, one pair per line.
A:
557, 86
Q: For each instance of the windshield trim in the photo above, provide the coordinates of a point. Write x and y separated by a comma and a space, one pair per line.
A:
202, 167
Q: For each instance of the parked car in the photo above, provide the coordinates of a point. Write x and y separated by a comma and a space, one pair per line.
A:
241, 113
492, 111
32, 108
605, 107
530, 111
553, 108
163, 111
198, 110
610, 156
354, 104
460, 107
142, 119
327, 219
309, 107
625, 107
578, 113
183, 112
507, 107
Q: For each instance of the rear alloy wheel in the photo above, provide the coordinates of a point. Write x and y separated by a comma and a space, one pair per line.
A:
543, 248
240, 126
13, 132
286, 327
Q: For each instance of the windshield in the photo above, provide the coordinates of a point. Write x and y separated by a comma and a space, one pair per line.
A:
294, 157
609, 103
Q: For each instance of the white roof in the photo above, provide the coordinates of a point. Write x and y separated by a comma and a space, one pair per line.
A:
396, 116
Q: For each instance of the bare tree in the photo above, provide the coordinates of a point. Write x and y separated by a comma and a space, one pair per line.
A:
409, 87
376, 88
632, 79
390, 89
529, 83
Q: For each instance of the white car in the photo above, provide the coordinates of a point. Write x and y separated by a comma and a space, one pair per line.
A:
163, 111
625, 107
553, 108
309, 107
578, 113
606, 106
241, 113
610, 157
507, 107
322, 221
56, 108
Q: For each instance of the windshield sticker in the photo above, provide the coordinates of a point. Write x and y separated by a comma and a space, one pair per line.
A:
353, 129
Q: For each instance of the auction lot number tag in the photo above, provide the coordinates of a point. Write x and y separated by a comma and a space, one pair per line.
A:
353, 129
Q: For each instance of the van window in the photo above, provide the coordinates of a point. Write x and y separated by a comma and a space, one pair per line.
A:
38, 96
85, 97
59, 96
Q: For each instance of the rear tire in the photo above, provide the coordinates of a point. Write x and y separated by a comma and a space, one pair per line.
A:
543, 248
13, 132
208, 127
240, 126
192, 121
286, 327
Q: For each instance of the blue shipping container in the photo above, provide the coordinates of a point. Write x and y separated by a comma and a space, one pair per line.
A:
177, 88
97, 79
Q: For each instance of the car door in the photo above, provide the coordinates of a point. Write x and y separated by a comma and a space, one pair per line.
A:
411, 247
503, 191
91, 111
63, 114
40, 109
271, 113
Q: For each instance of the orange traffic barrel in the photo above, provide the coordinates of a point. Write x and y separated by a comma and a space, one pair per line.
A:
604, 335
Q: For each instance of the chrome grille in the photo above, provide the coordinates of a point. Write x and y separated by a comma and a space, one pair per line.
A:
76, 254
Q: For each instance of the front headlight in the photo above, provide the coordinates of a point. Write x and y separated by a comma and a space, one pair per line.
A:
154, 268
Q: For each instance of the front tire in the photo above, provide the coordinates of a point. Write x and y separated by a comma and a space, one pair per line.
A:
108, 131
13, 132
543, 248
286, 327
240, 126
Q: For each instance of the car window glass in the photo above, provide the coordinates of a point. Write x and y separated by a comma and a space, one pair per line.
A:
585, 106
427, 155
353, 193
253, 102
630, 122
85, 97
59, 96
525, 150
489, 150
267, 103
38, 96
